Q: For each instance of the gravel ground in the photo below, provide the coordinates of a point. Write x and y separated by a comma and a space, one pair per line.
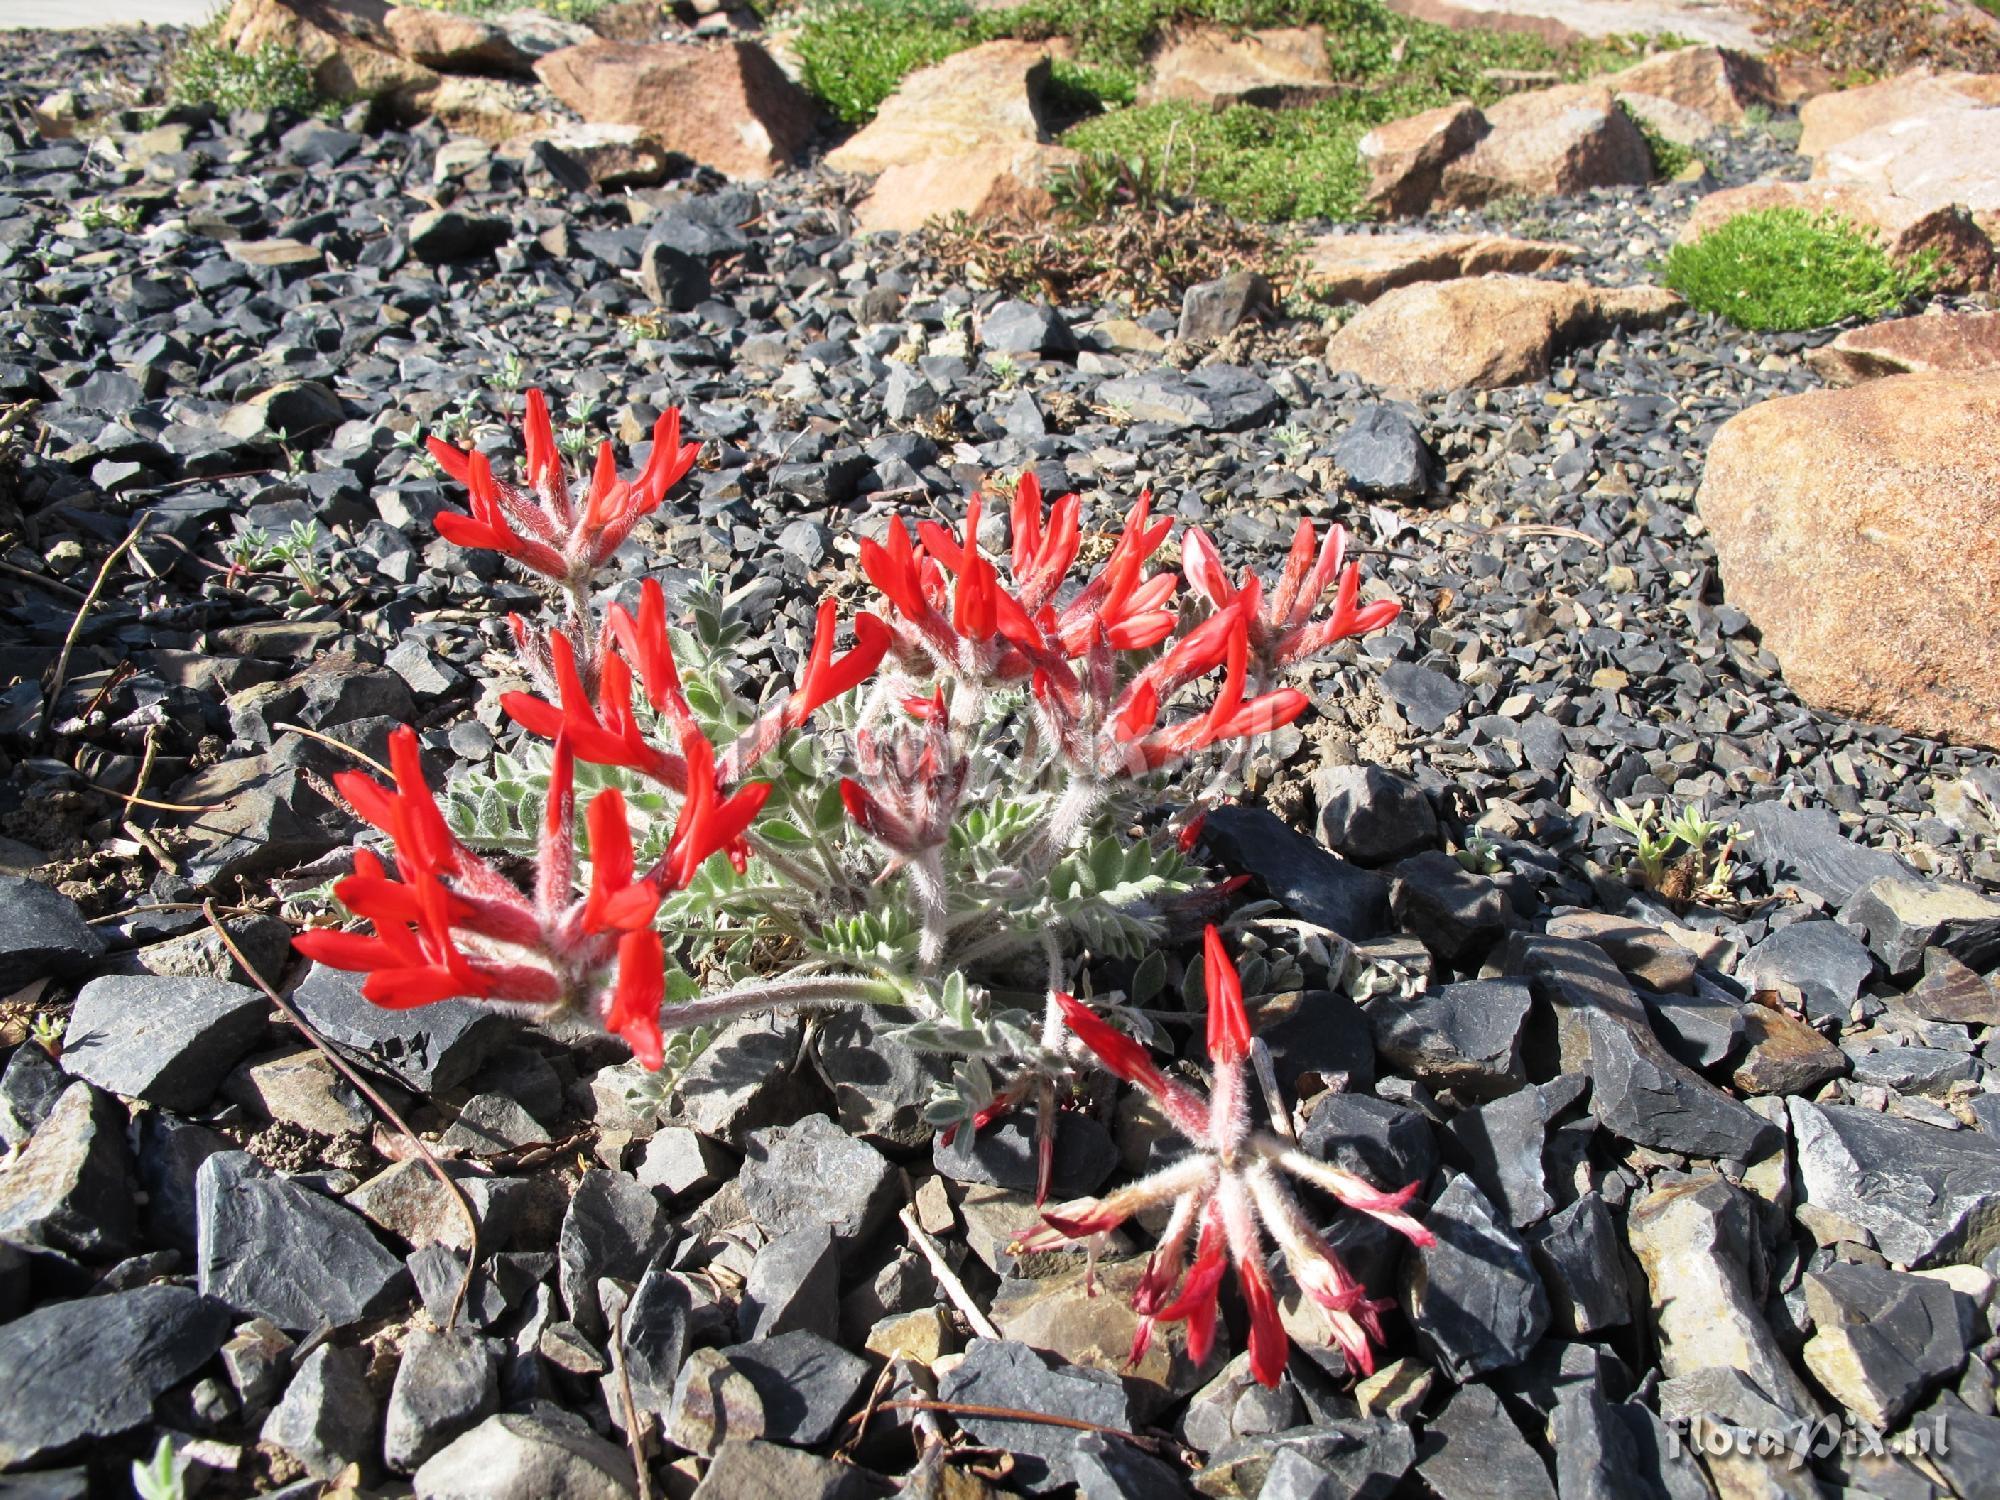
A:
1565, 643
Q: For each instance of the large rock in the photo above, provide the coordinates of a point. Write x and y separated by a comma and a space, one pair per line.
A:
70, 1190
494, 110
1964, 250
1882, 1338
345, 42
1548, 144
432, 1047
169, 1041
1562, 21
42, 934
506, 43
999, 183
92, 1367
1938, 160
1474, 1297
729, 107
1840, 520
518, 1457
1721, 85
989, 95
1927, 1196
1483, 332
1832, 119
1406, 158
1361, 267
1956, 343
1218, 67
1697, 1241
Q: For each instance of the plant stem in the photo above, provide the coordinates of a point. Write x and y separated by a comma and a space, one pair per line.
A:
769, 995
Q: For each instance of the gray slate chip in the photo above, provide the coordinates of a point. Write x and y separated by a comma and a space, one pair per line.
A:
1474, 1297
167, 1041
1006, 1374
807, 1384
273, 1248
92, 1368
1929, 1196
1296, 872
433, 1048
42, 934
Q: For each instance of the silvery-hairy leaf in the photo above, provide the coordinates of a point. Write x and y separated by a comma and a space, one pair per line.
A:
1149, 978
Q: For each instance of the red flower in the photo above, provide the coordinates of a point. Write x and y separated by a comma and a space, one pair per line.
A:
1286, 632
545, 527
1225, 1195
451, 925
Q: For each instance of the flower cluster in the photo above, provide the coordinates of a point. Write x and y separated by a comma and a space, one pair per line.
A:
1224, 1194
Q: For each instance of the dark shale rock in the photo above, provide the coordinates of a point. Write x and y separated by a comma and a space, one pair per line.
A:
1210, 398
806, 1383
1473, 1298
29, 1089
1808, 850
1465, 1037
1928, 1196
1882, 1339
167, 1041
1383, 453
1372, 816
1209, 309
1638, 1091
70, 1189
42, 934
446, 1384
270, 1247
1581, 1257
1297, 873
1904, 917
1456, 913
519, 1457
814, 1173
328, 1416
430, 1047
613, 1227
750, 1468
1472, 1450
1025, 328
1016, 1377
794, 1283
1824, 964
92, 1368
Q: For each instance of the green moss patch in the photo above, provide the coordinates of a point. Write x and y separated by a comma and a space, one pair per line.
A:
1783, 269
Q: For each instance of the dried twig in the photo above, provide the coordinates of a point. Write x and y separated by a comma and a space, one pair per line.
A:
948, 1278
369, 1092
61, 669
635, 1437
29, 575
1015, 1414
326, 739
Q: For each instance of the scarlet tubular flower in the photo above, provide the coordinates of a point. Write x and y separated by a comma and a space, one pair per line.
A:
547, 528
1225, 1195
1285, 631
449, 925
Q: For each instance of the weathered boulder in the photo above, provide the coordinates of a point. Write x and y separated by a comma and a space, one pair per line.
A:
729, 107
1949, 157
1717, 83
1218, 67
1563, 21
1483, 332
1939, 344
1550, 143
1406, 158
1840, 520
989, 95
1361, 267
990, 184
1832, 119
346, 43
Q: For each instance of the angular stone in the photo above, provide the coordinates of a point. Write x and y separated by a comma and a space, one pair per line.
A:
1473, 1451
1357, 267
613, 1227
1698, 1243
326, 1419
346, 43
1903, 918
408, 1202
1473, 1297
1801, 492
1406, 159
281, 1251
70, 1188
806, 1383
1108, 1468
517, 1457
1015, 1377
1949, 991
713, 1403
491, 1125
656, 1329
744, 1081
1720, 84
1783, 1055
1457, 914
748, 1468
42, 934
446, 1383
1500, 1145
1805, 848
1646, 953
1928, 1196
167, 1041
1000, 183
1003, 1154
1383, 453
1482, 332
1956, 343
1729, 1398
1819, 965
29, 1089
1345, 1456
814, 1173
729, 107
1211, 398
1218, 67
1210, 309
432, 1048
1299, 874
1016, 327
680, 1162
1638, 1091
1581, 1258
1089, 1324
300, 1088
1552, 143
794, 1283
1370, 816
1881, 1339
1236, 1404
985, 96
1465, 1037
91, 1368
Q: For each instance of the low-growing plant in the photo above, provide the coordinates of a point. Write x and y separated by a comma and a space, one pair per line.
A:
996, 784
1684, 858
1785, 269
205, 71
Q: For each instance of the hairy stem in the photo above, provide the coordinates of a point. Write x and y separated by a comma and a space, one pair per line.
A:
927, 881
838, 989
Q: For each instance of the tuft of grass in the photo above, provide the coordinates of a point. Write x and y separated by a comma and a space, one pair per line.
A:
1780, 270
